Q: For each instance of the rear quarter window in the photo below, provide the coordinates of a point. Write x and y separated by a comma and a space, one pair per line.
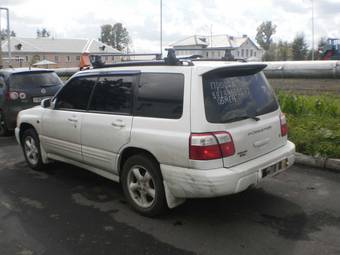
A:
160, 95
229, 99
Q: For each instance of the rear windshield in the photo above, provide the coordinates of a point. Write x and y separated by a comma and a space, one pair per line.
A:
229, 99
34, 80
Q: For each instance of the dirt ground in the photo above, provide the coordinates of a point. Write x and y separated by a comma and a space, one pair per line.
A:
308, 86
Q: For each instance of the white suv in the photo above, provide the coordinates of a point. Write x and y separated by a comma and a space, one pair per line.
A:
165, 132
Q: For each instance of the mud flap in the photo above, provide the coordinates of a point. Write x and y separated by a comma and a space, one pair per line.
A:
170, 199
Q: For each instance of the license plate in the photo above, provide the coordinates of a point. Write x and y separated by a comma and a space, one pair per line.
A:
39, 99
271, 170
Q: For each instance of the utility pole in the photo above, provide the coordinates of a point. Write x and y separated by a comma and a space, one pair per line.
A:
8, 37
313, 43
1, 64
211, 36
161, 28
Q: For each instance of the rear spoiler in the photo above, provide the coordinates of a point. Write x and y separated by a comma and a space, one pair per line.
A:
236, 70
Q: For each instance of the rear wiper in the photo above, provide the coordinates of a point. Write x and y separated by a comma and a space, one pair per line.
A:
243, 117
45, 86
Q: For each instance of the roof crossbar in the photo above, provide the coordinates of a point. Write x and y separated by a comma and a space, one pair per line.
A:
170, 60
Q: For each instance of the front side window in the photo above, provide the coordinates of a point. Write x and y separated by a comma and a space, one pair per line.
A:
160, 96
113, 94
75, 95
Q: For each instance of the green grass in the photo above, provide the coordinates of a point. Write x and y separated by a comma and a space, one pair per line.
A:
313, 123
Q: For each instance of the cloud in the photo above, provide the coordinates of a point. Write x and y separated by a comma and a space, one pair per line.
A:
82, 19
291, 6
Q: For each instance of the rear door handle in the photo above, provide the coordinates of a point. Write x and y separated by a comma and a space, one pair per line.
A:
72, 120
118, 123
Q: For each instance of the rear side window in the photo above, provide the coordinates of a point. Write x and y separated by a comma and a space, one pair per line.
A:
160, 96
33, 80
229, 99
75, 95
113, 94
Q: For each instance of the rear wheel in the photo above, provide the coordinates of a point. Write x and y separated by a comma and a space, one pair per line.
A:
31, 147
143, 186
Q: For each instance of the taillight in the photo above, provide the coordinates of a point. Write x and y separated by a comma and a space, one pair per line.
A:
283, 124
209, 146
7, 98
22, 95
13, 95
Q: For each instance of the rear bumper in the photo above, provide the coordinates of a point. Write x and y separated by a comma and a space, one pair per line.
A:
191, 183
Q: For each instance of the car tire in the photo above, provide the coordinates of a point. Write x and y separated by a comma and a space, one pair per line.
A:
143, 185
3, 126
31, 148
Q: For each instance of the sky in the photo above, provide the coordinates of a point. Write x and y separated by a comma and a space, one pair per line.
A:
181, 18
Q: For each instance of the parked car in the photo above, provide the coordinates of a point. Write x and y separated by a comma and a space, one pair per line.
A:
165, 132
22, 88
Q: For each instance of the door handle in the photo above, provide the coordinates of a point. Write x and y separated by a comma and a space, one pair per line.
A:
72, 120
118, 123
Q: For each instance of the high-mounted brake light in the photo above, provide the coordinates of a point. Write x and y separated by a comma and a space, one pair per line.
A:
283, 125
209, 146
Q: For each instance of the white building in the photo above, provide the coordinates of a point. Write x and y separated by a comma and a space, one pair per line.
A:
63, 52
216, 47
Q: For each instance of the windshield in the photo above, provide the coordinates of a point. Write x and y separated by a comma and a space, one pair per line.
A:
229, 99
34, 80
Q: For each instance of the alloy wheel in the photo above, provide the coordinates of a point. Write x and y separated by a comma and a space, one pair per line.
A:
141, 186
31, 150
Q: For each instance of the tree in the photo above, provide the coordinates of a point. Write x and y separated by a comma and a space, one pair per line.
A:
264, 34
116, 36
43, 33
322, 42
270, 54
299, 47
283, 49
3, 34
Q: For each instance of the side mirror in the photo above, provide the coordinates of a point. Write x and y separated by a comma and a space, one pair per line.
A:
46, 103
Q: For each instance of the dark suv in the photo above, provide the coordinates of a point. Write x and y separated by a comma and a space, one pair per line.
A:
22, 88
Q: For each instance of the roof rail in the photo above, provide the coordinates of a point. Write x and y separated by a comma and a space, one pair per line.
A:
170, 60
221, 59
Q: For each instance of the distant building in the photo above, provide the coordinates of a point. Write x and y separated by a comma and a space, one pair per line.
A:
217, 46
63, 52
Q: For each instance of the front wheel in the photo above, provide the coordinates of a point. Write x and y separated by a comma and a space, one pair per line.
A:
143, 186
31, 147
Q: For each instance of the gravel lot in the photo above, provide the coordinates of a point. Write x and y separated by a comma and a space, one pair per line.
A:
67, 210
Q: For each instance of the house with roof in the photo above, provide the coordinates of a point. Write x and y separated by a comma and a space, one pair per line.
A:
218, 46
61, 52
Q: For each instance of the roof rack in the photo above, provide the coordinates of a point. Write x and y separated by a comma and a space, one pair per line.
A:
170, 60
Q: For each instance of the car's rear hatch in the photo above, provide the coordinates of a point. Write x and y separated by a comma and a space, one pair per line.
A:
29, 88
240, 101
